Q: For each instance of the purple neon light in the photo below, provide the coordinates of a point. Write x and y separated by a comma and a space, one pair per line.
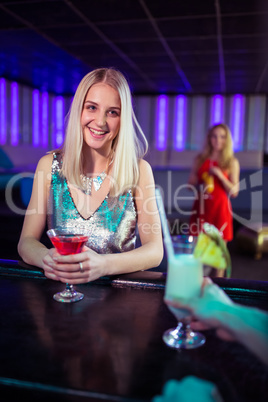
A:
237, 121
44, 119
36, 118
161, 123
3, 112
180, 122
59, 120
217, 109
14, 123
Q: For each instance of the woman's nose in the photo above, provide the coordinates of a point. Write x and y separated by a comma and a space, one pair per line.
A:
101, 119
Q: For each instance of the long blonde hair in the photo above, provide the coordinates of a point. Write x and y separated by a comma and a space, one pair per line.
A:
227, 154
128, 147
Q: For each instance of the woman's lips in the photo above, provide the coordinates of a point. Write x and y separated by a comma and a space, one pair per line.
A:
97, 133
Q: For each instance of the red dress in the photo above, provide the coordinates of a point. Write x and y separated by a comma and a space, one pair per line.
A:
212, 204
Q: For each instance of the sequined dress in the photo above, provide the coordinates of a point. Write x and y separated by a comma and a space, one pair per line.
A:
111, 228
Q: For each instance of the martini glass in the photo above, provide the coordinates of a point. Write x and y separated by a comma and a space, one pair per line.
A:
67, 242
184, 281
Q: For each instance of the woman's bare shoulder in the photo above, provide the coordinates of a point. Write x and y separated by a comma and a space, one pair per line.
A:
45, 163
145, 173
234, 162
144, 166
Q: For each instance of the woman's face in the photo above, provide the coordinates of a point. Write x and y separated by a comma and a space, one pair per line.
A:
100, 117
218, 139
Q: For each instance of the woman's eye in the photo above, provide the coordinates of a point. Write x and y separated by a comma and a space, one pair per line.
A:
113, 113
90, 107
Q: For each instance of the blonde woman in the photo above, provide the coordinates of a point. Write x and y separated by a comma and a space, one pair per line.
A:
99, 183
216, 173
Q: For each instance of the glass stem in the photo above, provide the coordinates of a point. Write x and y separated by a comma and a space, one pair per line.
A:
183, 327
69, 288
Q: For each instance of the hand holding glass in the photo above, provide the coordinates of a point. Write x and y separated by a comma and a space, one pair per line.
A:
184, 281
67, 242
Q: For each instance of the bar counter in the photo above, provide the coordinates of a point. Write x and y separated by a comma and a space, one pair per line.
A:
109, 346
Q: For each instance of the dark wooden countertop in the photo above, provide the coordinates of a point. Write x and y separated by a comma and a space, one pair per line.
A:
109, 345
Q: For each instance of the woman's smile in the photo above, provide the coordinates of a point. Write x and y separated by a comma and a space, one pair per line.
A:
97, 133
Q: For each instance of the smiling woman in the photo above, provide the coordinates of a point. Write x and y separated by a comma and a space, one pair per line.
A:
98, 185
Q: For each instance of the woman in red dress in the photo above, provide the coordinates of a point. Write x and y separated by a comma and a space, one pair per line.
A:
216, 174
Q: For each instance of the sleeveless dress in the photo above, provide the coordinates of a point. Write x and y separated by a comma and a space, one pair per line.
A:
212, 204
112, 227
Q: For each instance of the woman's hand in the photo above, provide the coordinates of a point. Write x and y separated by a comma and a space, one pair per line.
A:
216, 171
230, 183
48, 264
76, 268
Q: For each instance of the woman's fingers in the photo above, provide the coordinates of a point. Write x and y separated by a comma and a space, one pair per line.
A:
74, 269
73, 258
50, 274
68, 268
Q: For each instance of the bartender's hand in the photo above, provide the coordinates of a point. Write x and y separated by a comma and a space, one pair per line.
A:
232, 321
210, 310
84, 267
189, 389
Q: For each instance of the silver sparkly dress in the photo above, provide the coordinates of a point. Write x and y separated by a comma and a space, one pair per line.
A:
111, 228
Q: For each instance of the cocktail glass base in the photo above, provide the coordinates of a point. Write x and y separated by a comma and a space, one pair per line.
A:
68, 295
183, 337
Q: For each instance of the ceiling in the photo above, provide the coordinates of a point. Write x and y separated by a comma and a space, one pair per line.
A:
167, 46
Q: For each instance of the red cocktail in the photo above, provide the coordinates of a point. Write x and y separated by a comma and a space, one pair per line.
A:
67, 242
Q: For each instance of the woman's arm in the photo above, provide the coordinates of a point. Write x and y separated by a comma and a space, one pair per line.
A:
149, 255
230, 184
29, 246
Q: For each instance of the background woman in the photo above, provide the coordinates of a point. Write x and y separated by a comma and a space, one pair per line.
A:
216, 173
97, 183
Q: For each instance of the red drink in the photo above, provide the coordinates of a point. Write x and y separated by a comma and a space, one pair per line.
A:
69, 243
